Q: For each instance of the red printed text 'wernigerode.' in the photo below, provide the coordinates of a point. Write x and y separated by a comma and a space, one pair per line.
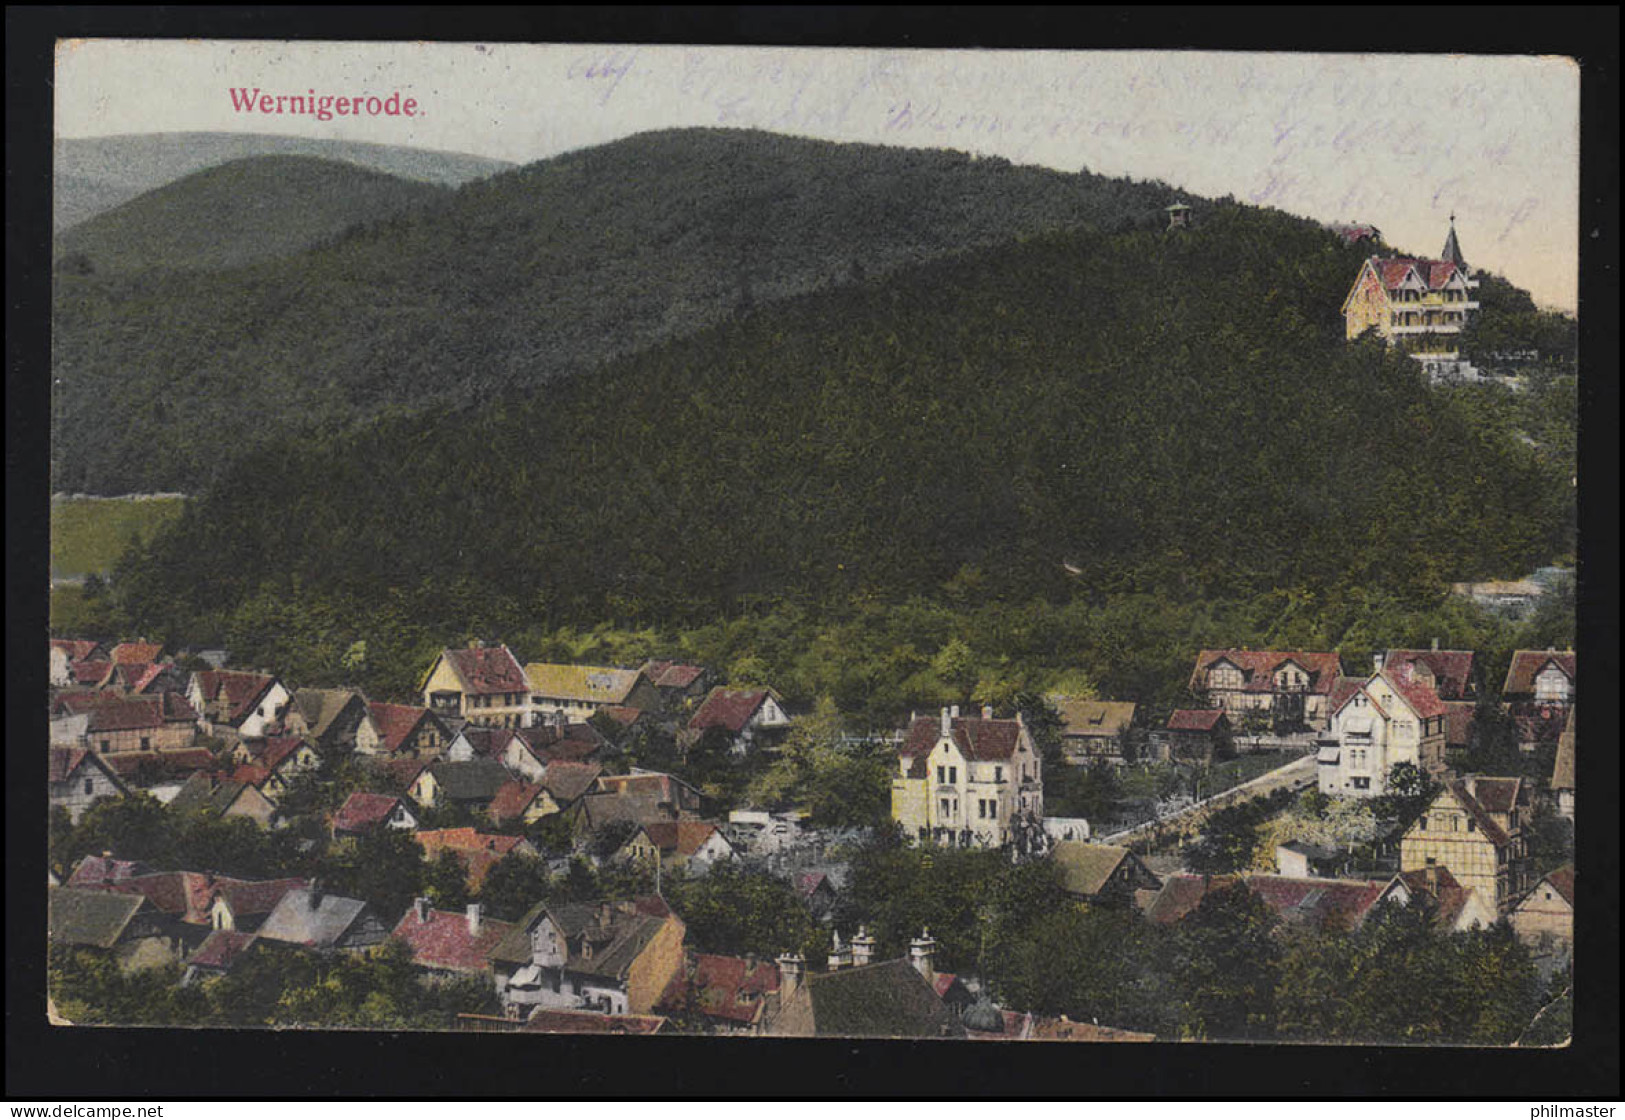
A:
324, 106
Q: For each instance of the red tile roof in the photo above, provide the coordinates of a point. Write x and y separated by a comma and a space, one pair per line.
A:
64, 761
1258, 667
1486, 824
728, 708
251, 897
1433, 274
273, 752
90, 672
808, 882
242, 690
1459, 717
1562, 881
1452, 669
545, 1021
1335, 904
220, 949
395, 722
136, 653
512, 800
981, 740
363, 812
445, 941
1195, 719
187, 895
622, 714
1497, 795
1422, 699
489, 670
1527, 664
680, 838
77, 649
1181, 894
1448, 895
727, 988
127, 713
670, 674
250, 774
466, 839
95, 870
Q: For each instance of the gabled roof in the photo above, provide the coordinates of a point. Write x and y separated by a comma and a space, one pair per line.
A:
1452, 669
1527, 665
90, 672
726, 988
156, 767
550, 1021
486, 742
594, 684
1195, 719
396, 722
478, 779
242, 689
94, 918
362, 812
466, 839
95, 870
487, 670
249, 897
1457, 791
1182, 894
680, 838
76, 649
1258, 667
728, 708
220, 950
649, 783
889, 999
1093, 717
1449, 897
671, 674
808, 883
566, 781
446, 940
1497, 795
1320, 903
981, 740
321, 706
66, 761
273, 752
1459, 718
135, 653
1084, 868
1421, 698
511, 801
1562, 881
209, 793
615, 945
315, 919
126, 713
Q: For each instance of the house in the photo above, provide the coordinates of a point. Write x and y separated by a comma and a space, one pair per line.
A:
1544, 918
1181, 894
1460, 726
526, 802
163, 722
968, 782
546, 1020
240, 704
888, 999
325, 922
133, 678
67, 652
126, 926
1452, 673
363, 813
135, 653
222, 949
273, 764
1455, 907
96, 871
448, 943
1357, 232
675, 797
163, 774
1563, 769
478, 852
693, 846
1094, 730
242, 905
816, 893
1376, 724
76, 779
1421, 305
1201, 735
728, 994
483, 684
474, 741
401, 731
70, 731
1326, 905
1476, 828
1538, 692
616, 957
578, 691
758, 832
473, 784
567, 782
223, 797
1289, 687
1101, 872
743, 714
328, 717
677, 683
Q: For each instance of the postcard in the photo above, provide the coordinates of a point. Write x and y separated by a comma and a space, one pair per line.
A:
1053, 546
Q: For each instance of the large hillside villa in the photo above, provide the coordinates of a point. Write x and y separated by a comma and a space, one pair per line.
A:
1421, 305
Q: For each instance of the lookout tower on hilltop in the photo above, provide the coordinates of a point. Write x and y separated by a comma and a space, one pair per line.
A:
1179, 216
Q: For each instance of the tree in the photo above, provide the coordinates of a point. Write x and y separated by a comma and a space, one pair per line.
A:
735, 911
1222, 963
445, 882
384, 868
514, 885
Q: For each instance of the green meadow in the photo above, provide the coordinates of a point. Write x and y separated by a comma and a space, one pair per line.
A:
89, 534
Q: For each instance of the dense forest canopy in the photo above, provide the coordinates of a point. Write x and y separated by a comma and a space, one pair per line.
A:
1083, 415
506, 284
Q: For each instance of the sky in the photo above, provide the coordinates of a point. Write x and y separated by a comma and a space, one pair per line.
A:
1398, 141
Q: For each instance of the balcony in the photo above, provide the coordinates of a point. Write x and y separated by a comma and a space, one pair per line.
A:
1429, 328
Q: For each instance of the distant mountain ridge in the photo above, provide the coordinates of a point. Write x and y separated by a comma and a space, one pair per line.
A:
239, 213
95, 174
514, 280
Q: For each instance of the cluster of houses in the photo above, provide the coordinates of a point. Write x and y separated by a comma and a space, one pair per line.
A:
518, 744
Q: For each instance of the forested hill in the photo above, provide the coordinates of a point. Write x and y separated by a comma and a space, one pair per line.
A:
547, 270
239, 213
1161, 412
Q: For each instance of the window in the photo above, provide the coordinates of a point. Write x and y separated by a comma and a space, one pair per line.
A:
992, 810
146, 743
1422, 823
89, 788
942, 776
953, 775
1361, 783
1431, 861
1472, 826
107, 745
943, 806
981, 809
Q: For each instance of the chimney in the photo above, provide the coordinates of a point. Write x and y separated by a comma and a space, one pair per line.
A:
947, 722
987, 711
1435, 645
839, 956
922, 952
313, 897
420, 907
954, 711
1432, 877
863, 947
790, 969
1378, 659
603, 915
475, 910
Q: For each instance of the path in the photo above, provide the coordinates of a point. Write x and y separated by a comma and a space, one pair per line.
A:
1295, 775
